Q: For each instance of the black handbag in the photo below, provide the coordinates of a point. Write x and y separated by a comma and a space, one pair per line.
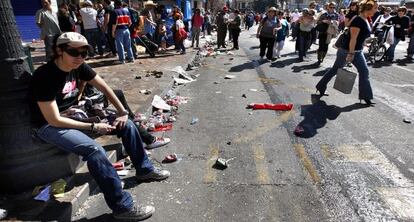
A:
322, 27
340, 41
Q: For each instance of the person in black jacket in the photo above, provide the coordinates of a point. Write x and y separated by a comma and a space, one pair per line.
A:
64, 18
401, 23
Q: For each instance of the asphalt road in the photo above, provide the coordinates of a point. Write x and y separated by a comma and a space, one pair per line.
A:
355, 164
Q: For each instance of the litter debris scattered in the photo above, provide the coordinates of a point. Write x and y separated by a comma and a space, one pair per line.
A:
118, 165
244, 96
194, 121
229, 143
230, 53
253, 90
216, 82
250, 113
159, 103
145, 91
123, 172
58, 188
162, 127
218, 92
170, 158
299, 131
227, 63
222, 163
406, 120
270, 106
138, 77
229, 77
182, 73
42, 193
180, 81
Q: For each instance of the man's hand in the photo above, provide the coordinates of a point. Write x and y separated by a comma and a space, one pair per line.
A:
103, 128
349, 57
120, 122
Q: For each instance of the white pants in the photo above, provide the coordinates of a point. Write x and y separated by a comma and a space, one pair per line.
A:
278, 47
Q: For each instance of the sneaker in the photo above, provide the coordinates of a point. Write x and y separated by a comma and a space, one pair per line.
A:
156, 175
130, 61
159, 141
136, 213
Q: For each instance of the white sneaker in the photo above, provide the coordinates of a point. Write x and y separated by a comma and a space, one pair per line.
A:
159, 141
155, 175
135, 214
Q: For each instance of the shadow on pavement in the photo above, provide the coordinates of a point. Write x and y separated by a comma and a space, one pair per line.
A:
317, 115
403, 62
305, 67
283, 63
380, 64
103, 217
321, 72
254, 47
241, 67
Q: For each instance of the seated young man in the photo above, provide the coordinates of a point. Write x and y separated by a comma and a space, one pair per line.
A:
54, 88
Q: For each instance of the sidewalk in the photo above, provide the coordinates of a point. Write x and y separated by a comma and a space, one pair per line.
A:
129, 77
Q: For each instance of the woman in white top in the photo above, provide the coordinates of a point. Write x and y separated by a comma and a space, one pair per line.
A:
306, 24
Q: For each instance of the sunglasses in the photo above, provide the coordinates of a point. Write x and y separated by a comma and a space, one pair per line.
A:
75, 53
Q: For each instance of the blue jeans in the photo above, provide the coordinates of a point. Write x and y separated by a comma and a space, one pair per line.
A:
304, 42
94, 37
75, 141
365, 90
123, 42
391, 50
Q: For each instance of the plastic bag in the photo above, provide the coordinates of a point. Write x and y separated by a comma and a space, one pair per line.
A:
390, 36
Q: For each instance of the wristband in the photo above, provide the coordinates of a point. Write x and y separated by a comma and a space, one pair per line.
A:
93, 126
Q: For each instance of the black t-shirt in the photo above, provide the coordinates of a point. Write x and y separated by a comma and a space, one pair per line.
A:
400, 24
112, 16
351, 14
50, 83
364, 33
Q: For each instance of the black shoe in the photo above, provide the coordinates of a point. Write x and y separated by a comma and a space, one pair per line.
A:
367, 102
321, 91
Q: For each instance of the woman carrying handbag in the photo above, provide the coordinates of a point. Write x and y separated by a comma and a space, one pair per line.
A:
351, 51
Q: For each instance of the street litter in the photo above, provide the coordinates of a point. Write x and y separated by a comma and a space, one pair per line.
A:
180, 81
139, 117
231, 59
145, 91
170, 158
58, 188
253, 90
229, 143
250, 113
227, 63
222, 163
270, 106
182, 73
138, 77
194, 121
299, 131
406, 120
122, 172
229, 77
118, 165
216, 82
159, 103
42, 193
218, 92
230, 53
163, 127
244, 96
155, 73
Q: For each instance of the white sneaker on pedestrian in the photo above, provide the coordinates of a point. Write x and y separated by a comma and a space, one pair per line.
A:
135, 214
159, 141
155, 175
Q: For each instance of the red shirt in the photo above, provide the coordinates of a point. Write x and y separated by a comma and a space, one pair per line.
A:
198, 21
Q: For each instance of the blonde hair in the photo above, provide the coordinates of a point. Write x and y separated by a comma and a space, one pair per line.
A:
366, 5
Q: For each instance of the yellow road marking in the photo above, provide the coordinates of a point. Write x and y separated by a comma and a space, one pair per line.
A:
211, 175
307, 163
261, 130
260, 161
326, 152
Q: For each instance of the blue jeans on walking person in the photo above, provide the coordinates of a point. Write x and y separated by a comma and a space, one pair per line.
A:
94, 37
365, 90
77, 142
123, 43
304, 42
391, 50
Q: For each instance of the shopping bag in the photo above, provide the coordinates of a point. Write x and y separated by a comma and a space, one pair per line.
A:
344, 81
390, 36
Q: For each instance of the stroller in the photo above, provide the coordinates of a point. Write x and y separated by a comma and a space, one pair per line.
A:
150, 46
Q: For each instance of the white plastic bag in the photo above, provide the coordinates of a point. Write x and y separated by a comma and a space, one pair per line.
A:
390, 36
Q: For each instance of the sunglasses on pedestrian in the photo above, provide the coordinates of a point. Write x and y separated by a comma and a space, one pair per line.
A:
75, 53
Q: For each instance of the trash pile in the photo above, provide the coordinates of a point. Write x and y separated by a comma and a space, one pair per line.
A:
55, 189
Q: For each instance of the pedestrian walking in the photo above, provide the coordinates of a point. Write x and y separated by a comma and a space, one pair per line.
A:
90, 25
221, 22
294, 18
267, 33
121, 33
66, 23
249, 20
281, 35
180, 33
401, 23
234, 29
54, 87
410, 49
351, 51
207, 24
304, 40
48, 22
196, 23
327, 26
109, 18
